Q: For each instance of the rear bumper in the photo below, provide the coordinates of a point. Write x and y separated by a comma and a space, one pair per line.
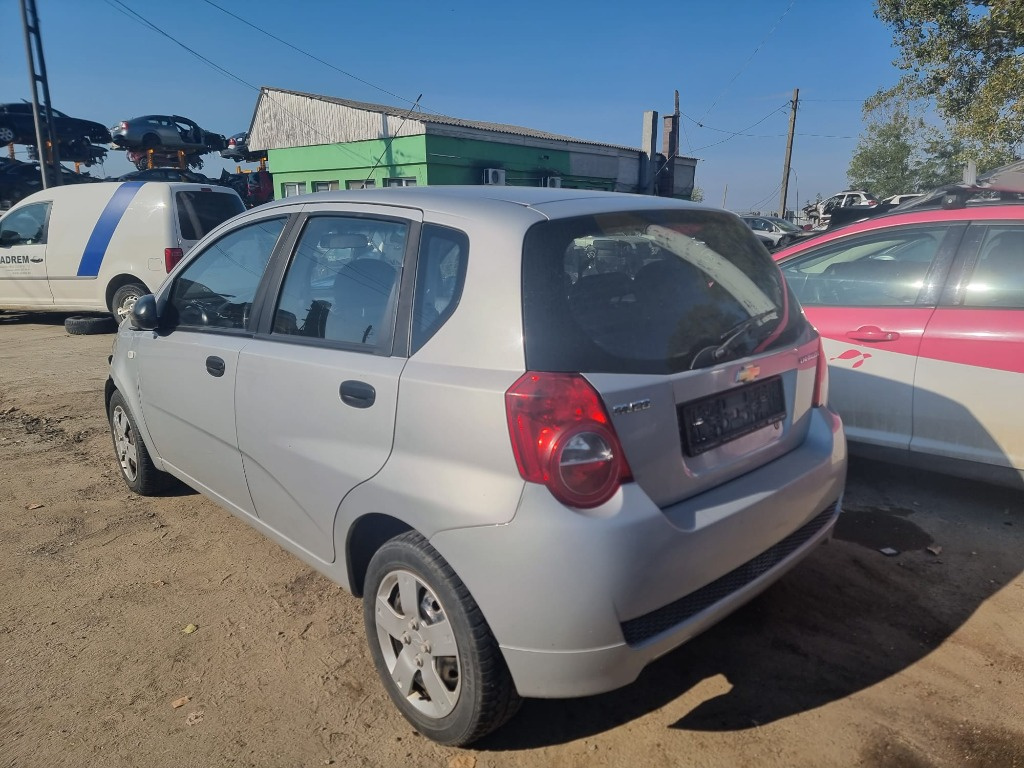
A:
581, 602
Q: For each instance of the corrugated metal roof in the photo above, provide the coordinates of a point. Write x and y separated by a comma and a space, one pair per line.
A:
428, 118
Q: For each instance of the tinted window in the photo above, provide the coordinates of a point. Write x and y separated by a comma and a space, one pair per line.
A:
998, 278
200, 211
28, 223
882, 269
649, 292
440, 272
342, 282
217, 288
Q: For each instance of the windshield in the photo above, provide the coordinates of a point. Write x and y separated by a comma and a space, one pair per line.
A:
785, 226
649, 292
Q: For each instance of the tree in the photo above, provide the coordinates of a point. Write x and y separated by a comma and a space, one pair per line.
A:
697, 195
885, 160
967, 55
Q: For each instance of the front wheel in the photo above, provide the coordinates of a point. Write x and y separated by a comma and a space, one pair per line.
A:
431, 645
137, 467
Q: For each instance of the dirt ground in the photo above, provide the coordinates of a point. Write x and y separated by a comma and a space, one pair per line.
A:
854, 658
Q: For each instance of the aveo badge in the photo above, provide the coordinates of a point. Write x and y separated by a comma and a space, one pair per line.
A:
747, 373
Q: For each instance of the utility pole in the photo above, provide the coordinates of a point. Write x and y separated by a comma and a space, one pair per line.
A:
789, 153
47, 143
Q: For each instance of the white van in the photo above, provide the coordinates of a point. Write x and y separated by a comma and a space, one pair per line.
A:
98, 247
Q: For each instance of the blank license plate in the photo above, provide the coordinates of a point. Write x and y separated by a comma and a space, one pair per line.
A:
713, 421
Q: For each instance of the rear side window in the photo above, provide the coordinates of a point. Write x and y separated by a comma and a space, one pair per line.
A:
440, 272
650, 292
199, 211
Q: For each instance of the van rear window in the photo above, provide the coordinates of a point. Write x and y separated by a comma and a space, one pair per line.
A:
650, 292
199, 211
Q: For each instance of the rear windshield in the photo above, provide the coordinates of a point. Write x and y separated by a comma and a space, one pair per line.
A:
650, 292
199, 211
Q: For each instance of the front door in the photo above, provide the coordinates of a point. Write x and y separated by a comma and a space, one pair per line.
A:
23, 257
317, 392
187, 371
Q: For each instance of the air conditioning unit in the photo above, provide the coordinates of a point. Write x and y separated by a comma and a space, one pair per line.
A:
494, 176
553, 181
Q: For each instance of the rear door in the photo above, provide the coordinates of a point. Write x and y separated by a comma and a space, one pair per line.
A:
318, 386
187, 371
971, 370
23, 280
871, 295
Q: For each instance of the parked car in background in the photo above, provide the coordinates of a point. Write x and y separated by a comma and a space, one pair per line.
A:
18, 127
638, 456
895, 200
773, 231
168, 174
237, 147
922, 315
19, 180
165, 132
820, 213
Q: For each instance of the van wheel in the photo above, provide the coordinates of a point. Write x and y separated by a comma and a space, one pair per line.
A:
125, 298
136, 466
431, 645
83, 326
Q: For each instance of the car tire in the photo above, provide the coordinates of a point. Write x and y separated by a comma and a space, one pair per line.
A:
453, 698
133, 458
87, 325
124, 299
6, 134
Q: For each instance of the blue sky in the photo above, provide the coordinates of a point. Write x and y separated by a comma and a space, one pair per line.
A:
583, 69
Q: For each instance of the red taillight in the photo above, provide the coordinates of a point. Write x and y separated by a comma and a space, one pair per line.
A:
124, 126
821, 379
562, 437
171, 257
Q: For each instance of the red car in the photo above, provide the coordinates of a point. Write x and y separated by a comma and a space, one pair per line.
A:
922, 317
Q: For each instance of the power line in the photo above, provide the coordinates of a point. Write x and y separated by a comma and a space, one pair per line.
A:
317, 58
749, 59
734, 134
766, 198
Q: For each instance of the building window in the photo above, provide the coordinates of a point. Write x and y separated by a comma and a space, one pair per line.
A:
292, 188
368, 184
403, 181
324, 186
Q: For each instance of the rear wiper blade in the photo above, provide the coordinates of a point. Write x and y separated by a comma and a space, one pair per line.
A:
738, 331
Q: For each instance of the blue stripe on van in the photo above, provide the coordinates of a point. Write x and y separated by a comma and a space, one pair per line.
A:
96, 248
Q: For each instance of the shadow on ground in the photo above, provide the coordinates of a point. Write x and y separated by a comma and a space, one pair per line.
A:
845, 619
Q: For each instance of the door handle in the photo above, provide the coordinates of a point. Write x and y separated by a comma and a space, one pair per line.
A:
872, 333
358, 394
215, 366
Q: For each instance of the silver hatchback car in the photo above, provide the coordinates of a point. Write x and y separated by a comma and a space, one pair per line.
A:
541, 465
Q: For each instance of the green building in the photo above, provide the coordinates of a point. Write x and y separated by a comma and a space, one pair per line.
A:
316, 143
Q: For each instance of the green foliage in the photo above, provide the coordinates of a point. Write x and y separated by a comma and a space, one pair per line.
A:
967, 55
885, 160
697, 195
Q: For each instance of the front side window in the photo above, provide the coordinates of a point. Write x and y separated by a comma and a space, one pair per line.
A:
342, 283
25, 226
881, 269
650, 292
216, 290
998, 277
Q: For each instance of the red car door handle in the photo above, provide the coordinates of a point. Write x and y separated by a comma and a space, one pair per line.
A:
872, 333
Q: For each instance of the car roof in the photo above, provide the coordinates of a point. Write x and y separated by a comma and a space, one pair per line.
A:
491, 200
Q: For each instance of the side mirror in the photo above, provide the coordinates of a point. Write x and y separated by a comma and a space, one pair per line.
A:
143, 316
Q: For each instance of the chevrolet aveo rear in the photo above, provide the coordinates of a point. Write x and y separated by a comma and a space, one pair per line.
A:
546, 435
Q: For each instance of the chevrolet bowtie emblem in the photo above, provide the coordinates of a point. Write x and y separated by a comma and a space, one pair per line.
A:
747, 373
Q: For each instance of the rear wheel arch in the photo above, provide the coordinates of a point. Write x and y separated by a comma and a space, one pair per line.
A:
366, 535
117, 283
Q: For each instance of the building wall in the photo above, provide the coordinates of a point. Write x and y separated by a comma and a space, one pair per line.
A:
354, 161
462, 161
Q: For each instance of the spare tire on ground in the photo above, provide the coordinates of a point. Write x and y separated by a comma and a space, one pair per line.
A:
83, 325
